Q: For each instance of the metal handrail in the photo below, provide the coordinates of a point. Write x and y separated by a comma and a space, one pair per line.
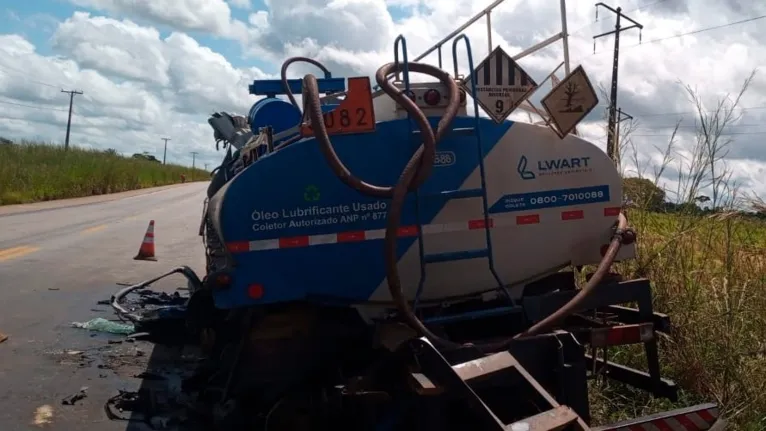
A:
487, 11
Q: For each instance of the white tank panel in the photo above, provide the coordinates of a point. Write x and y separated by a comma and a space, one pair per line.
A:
526, 243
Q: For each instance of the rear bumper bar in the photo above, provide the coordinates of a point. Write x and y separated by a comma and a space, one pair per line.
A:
702, 417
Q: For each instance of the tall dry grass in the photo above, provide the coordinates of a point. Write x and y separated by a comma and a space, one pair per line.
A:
708, 272
34, 171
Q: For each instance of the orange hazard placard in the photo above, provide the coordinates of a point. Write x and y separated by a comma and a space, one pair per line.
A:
354, 114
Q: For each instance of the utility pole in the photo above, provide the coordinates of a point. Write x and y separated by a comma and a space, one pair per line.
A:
621, 116
610, 143
194, 158
69, 121
165, 154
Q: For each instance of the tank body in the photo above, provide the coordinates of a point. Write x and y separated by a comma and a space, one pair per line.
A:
296, 232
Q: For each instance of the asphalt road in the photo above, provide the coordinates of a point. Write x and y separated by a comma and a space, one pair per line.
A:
57, 260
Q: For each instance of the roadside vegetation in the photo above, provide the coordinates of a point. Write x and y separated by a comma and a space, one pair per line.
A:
35, 171
705, 255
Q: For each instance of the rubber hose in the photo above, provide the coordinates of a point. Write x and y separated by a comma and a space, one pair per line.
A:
423, 156
286, 65
409, 178
603, 268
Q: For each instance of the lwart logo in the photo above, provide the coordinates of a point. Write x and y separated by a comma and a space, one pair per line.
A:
521, 168
550, 167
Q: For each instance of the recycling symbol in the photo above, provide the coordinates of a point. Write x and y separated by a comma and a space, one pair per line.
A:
311, 194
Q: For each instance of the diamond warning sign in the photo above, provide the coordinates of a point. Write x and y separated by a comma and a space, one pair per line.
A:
501, 85
570, 101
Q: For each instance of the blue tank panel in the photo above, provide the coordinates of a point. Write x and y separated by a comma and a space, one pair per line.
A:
277, 113
275, 205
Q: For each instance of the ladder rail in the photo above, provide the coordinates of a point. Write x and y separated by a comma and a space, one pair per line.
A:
482, 168
421, 249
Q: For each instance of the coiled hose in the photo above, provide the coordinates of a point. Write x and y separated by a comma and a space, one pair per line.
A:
283, 74
416, 171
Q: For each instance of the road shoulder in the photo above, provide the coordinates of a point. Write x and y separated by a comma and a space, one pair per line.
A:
88, 200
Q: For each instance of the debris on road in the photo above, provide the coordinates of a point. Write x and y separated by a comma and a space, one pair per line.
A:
102, 325
72, 399
3, 337
153, 407
43, 415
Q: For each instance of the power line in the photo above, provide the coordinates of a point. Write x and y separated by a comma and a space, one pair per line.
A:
26, 76
48, 108
722, 134
681, 126
693, 112
629, 11
87, 121
707, 29
701, 30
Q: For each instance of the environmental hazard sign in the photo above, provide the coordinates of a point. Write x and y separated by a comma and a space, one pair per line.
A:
570, 101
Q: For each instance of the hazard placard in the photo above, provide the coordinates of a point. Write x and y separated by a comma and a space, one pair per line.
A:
570, 101
501, 85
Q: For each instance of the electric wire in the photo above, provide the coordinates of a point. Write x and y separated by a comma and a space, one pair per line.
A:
675, 36
47, 108
642, 7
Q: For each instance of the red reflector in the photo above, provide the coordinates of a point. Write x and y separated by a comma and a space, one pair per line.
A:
238, 247
622, 335
222, 280
351, 236
612, 212
572, 215
432, 97
528, 219
407, 231
479, 224
296, 241
255, 291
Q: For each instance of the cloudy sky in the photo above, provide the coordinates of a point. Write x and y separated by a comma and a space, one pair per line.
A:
151, 69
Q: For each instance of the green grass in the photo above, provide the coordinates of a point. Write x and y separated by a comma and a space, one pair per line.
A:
708, 274
33, 172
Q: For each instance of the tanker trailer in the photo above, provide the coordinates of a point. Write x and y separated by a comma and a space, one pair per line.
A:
378, 257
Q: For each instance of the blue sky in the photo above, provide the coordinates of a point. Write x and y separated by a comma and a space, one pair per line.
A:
36, 20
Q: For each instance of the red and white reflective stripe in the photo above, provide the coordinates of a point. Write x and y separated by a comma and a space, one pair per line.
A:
622, 335
149, 235
698, 420
404, 231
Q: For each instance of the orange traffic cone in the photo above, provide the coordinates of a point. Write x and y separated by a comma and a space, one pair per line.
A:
146, 252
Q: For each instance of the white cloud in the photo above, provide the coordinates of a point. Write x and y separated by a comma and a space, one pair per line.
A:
140, 85
211, 16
